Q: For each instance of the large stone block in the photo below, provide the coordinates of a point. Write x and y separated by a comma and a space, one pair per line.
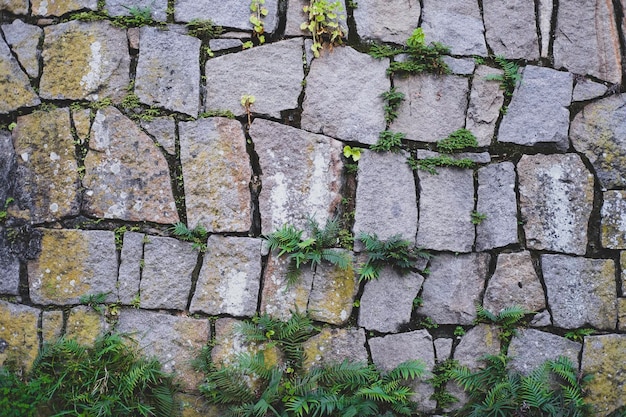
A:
333, 346
61, 7
602, 357
7, 165
14, 84
511, 28
477, 343
24, 42
131, 261
9, 268
387, 20
227, 13
486, 99
280, 299
18, 329
157, 8
613, 224
529, 348
84, 325
15, 6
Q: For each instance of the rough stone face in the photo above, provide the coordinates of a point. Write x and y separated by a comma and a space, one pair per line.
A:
621, 311
7, 164
223, 44
599, 132
61, 7
613, 226
24, 41
166, 278
456, 24
556, 198
332, 294
511, 29
163, 129
486, 99
443, 348
386, 199
587, 90
217, 173
581, 292
496, 200
545, 24
433, 107
514, 283
587, 41
342, 96
126, 176
14, 6
174, 340
228, 13
538, 112
158, 8
82, 123
73, 263
84, 61
14, 84
273, 74
453, 288
445, 206
390, 351
387, 302
168, 71
529, 348
85, 324
9, 268
18, 328
607, 389
51, 325
230, 277
333, 346
478, 342
622, 261
388, 21
129, 273
302, 175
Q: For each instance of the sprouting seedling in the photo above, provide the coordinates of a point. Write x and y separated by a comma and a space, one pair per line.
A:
350, 152
247, 101
259, 11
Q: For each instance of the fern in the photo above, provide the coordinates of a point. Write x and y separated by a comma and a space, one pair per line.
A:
509, 79
508, 319
456, 141
198, 235
392, 99
388, 142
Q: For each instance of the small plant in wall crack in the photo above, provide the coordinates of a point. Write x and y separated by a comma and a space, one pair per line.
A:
388, 141
508, 319
247, 101
477, 217
197, 236
392, 99
324, 24
204, 30
259, 11
509, 79
352, 153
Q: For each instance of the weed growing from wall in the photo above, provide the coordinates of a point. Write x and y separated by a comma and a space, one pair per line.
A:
324, 24
197, 236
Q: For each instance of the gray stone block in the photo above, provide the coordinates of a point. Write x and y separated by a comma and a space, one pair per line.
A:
485, 103
529, 348
511, 28
387, 20
14, 83
227, 13
613, 223
24, 42
129, 274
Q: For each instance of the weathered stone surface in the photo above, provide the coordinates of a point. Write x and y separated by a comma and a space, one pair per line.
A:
478, 342
18, 328
613, 224
217, 173
456, 24
538, 112
273, 74
230, 277
497, 201
587, 40
599, 132
541, 319
7, 164
460, 66
47, 173
168, 70
544, 16
278, 298
486, 99
390, 351
51, 325
302, 175
166, 278
388, 21
601, 357
9, 268
296, 16
529, 348
433, 107
445, 206
175, 340
622, 261
514, 283
443, 348
73, 263
85, 61
510, 29
478, 157
129, 273
24, 41
163, 129
581, 292
14, 6
453, 288
158, 8
222, 44
556, 198
386, 199
621, 314
14, 84
61, 7
332, 294
586, 89
342, 97
126, 176
82, 123
333, 346
228, 13
387, 302
84, 325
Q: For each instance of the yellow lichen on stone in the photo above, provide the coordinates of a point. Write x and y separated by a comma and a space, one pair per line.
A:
603, 357
18, 328
84, 325
51, 325
15, 92
333, 294
314, 348
82, 123
56, 7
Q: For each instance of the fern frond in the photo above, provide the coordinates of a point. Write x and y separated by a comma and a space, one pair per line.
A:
337, 257
407, 370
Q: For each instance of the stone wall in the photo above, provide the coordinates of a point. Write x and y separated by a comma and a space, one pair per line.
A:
111, 134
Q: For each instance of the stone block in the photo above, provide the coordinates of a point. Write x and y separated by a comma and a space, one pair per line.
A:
387, 21
163, 129
511, 29
19, 330
24, 42
51, 325
607, 390
333, 346
530, 348
613, 223
84, 325
15, 85
278, 298
157, 8
131, 261
228, 13
486, 99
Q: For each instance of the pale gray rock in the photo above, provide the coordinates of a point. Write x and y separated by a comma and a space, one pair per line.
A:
387, 302
539, 112
530, 348
14, 6
497, 201
541, 319
391, 350
273, 74
24, 42
9, 268
599, 132
581, 292
163, 129
445, 206
230, 277
607, 390
217, 173
586, 89
456, 24
433, 107
342, 96
7, 165
387, 21
478, 157
302, 175
613, 223
556, 199
478, 342
545, 11
61, 7
126, 175
158, 8
168, 70
166, 277
386, 199
510, 29
453, 288
514, 283
333, 292
587, 40
333, 346
233, 14
460, 66
14, 84
443, 348
129, 274
486, 99
222, 44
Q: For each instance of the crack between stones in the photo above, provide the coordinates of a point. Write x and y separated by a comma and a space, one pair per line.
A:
255, 185
194, 279
619, 18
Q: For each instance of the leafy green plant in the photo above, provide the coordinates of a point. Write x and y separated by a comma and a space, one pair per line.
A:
477, 217
12, 126
247, 101
430, 164
17, 398
578, 335
259, 11
203, 29
392, 99
94, 301
139, 16
428, 323
4, 213
509, 79
324, 23
352, 153
217, 113
508, 319
457, 141
130, 101
388, 141
101, 104
442, 374
459, 331
396, 252
197, 236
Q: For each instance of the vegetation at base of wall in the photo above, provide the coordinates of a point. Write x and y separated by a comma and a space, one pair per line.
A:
324, 24
197, 236
388, 141
430, 164
442, 374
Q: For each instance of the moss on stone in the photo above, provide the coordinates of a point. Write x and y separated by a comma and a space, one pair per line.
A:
18, 328
84, 325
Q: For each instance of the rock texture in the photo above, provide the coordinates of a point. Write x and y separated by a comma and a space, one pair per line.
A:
332, 346
24, 42
529, 348
18, 330
14, 84
613, 231
129, 273
332, 294
607, 390
390, 21
510, 29
61, 7
486, 99
228, 13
